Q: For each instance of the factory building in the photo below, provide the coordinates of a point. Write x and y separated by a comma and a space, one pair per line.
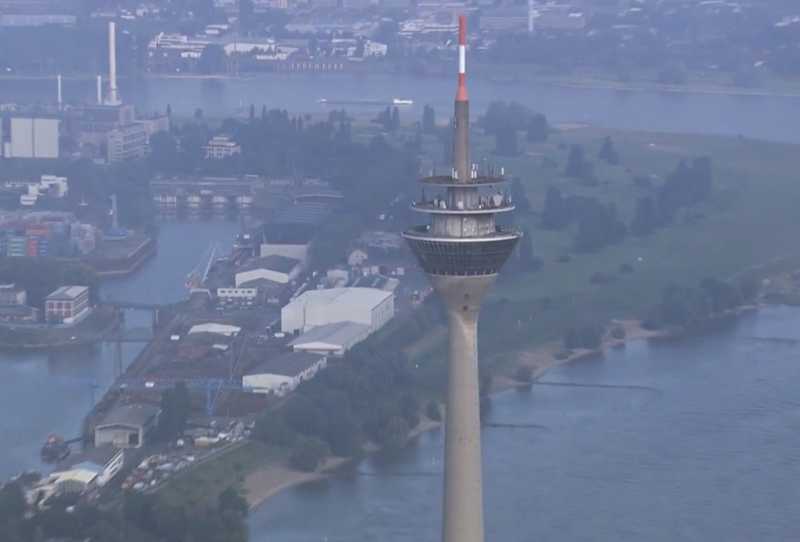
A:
67, 305
283, 374
367, 306
126, 426
331, 339
31, 137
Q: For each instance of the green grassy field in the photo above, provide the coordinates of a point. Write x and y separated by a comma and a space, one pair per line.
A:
752, 219
203, 483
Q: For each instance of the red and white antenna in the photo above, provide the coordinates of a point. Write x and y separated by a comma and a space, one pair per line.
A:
461, 95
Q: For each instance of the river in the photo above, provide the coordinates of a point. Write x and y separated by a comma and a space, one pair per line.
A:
772, 118
51, 393
711, 452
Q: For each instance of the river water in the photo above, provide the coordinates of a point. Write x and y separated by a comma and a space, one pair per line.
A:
51, 393
708, 449
760, 117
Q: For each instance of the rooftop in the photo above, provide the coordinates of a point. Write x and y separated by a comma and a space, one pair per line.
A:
67, 293
281, 264
343, 295
132, 415
334, 335
289, 364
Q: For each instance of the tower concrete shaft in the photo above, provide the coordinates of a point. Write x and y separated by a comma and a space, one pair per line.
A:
462, 250
463, 493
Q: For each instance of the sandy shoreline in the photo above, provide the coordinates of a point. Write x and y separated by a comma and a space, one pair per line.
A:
263, 484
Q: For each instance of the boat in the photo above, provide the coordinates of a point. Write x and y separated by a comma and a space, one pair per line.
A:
393, 101
55, 449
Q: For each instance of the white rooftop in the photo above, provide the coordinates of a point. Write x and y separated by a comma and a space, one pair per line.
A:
369, 296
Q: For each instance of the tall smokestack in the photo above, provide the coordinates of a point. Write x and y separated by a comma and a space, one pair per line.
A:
113, 94
60, 97
99, 90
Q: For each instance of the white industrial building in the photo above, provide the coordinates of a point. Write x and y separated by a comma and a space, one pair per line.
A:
331, 339
278, 269
33, 138
368, 306
226, 330
283, 374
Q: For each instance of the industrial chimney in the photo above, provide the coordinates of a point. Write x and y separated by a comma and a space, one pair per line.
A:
99, 90
113, 94
60, 97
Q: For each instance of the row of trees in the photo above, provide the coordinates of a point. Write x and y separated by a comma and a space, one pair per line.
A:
598, 224
142, 518
688, 185
366, 397
683, 306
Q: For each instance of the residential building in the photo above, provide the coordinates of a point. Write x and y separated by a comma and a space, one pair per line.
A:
67, 305
11, 295
283, 374
221, 147
126, 142
368, 306
126, 426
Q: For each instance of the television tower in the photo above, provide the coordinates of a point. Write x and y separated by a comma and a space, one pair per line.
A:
462, 250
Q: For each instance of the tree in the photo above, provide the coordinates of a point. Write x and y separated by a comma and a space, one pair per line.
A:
176, 406
271, 428
395, 435
645, 218
537, 129
308, 453
428, 120
520, 196
433, 411
212, 59
577, 165
608, 152
506, 141
583, 336
164, 152
555, 215
231, 500
246, 15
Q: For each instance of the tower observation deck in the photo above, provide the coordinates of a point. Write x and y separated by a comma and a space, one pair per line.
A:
462, 249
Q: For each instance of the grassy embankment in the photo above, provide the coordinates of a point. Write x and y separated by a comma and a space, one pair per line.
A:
204, 482
751, 219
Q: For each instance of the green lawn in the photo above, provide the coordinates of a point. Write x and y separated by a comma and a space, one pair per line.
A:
200, 484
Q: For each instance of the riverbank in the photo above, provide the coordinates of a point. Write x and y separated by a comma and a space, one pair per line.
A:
266, 482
